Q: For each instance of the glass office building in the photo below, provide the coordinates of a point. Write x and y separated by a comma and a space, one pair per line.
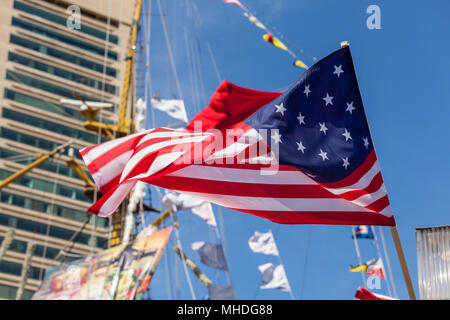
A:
43, 61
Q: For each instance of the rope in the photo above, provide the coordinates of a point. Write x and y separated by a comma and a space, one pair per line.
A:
308, 242
355, 241
375, 241
277, 33
388, 261
169, 49
266, 259
49, 218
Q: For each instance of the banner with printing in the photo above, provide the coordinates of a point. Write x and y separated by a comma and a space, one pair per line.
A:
123, 272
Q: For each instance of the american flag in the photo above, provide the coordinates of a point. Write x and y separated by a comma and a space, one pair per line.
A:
327, 171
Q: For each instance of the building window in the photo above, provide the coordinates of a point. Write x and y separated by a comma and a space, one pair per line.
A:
63, 38
47, 106
62, 21
47, 186
45, 207
50, 126
32, 141
62, 73
41, 228
43, 85
55, 53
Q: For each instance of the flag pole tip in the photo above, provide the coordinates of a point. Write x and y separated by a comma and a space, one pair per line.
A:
345, 44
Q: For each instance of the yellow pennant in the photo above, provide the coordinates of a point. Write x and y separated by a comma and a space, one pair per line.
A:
360, 268
273, 40
300, 64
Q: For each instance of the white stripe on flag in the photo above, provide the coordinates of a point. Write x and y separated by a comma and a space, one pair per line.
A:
154, 147
279, 204
243, 175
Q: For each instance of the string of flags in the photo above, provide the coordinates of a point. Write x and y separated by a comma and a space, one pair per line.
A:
373, 267
173, 107
211, 254
363, 232
273, 276
268, 36
175, 201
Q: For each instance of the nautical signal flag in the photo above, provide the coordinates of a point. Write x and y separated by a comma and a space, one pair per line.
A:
255, 21
360, 268
263, 243
235, 2
274, 41
371, 267
363, 232
315, 162
211, 254
300, 64
273, 277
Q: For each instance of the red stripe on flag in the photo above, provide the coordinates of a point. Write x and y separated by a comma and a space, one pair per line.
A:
244, 189
379, 205
374, 185
355, 175
323, 217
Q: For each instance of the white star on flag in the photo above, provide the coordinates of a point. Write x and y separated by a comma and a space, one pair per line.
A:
338, 70
323, 128
346, 163
328, 100
366, 142
301, 118
280, 108
323, 155
307, 91
347, 136
276, 137
350, 107
301, 147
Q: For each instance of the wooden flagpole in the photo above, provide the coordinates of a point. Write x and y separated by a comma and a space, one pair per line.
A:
396, 238
402, 260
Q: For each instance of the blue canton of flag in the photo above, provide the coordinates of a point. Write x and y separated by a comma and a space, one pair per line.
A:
322, 127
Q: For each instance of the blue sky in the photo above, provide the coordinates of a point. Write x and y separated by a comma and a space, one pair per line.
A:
404, 76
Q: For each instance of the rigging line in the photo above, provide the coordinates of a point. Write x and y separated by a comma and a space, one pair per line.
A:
267, 29
177, 236
221, 236
100, 116
266, 259
166, 267
197, 55
279, 34
281, 263
49, 218
198, 105
73, 239
169, 49
375, 241
148, 84
305, 264
391, 276
219, 78
190, 68
201, 71
355, 241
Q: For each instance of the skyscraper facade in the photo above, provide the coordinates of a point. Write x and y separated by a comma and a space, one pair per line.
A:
52, 50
